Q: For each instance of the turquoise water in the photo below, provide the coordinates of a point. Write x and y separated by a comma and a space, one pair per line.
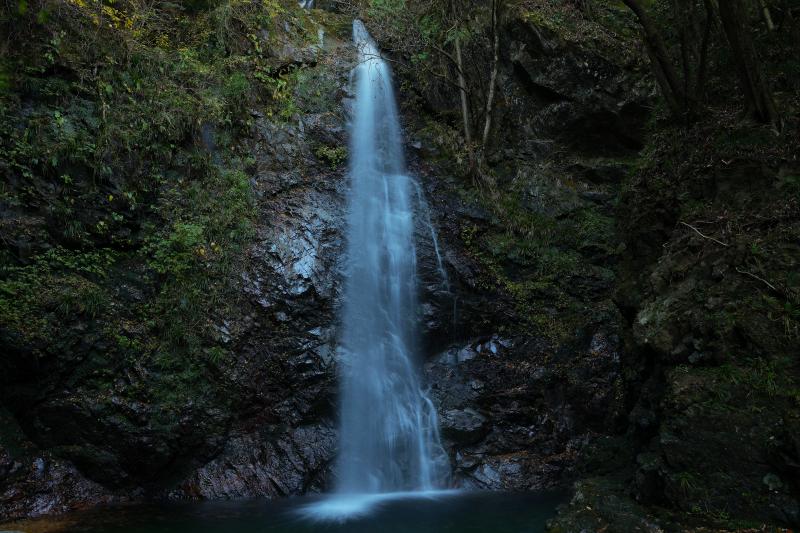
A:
489, 512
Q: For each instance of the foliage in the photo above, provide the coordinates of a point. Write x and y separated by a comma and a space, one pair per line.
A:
333, 156
535, 259
57, 285
120, 124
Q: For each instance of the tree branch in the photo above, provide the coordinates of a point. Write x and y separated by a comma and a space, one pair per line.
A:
704, 236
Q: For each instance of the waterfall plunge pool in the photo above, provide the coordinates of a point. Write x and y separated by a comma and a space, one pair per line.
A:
417, 512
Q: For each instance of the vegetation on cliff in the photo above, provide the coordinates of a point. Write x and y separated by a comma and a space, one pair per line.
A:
126, 211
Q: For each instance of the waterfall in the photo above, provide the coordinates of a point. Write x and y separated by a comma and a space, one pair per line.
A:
426, 213
389, 439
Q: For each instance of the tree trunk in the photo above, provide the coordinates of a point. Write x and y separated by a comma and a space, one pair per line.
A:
465, 116
703, 67
487, 126
767, 15
794, 27
672, 102
685, 11
758, 96
657, 50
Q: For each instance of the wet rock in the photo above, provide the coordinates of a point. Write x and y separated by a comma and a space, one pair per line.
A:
36, 486
463, 426
509, 421
486, 477
260, 465
282, 441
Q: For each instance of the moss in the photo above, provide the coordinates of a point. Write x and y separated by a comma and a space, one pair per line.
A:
608, 30
333, 156
720, 482
594, 228
729, 292
59, 284
316, 89
535, 258
130, 198
337, 25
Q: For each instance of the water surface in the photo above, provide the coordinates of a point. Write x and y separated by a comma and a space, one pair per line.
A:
475, 512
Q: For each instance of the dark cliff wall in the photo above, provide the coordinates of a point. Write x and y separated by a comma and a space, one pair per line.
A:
171, 224
624, 298
528, 362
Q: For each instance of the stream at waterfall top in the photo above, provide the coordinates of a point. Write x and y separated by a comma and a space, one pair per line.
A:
444, 512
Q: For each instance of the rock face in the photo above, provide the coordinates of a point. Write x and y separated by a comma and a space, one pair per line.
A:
282, 440
526, 354
714, 410
580, 98
259, 464
520, 393
515, 415
257, 421
36, 483
622, 336
641, 354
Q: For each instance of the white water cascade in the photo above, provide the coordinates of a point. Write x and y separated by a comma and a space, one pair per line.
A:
389, 433
389, 438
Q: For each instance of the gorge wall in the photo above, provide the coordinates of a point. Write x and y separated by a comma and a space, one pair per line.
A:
616, 317
168, 321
